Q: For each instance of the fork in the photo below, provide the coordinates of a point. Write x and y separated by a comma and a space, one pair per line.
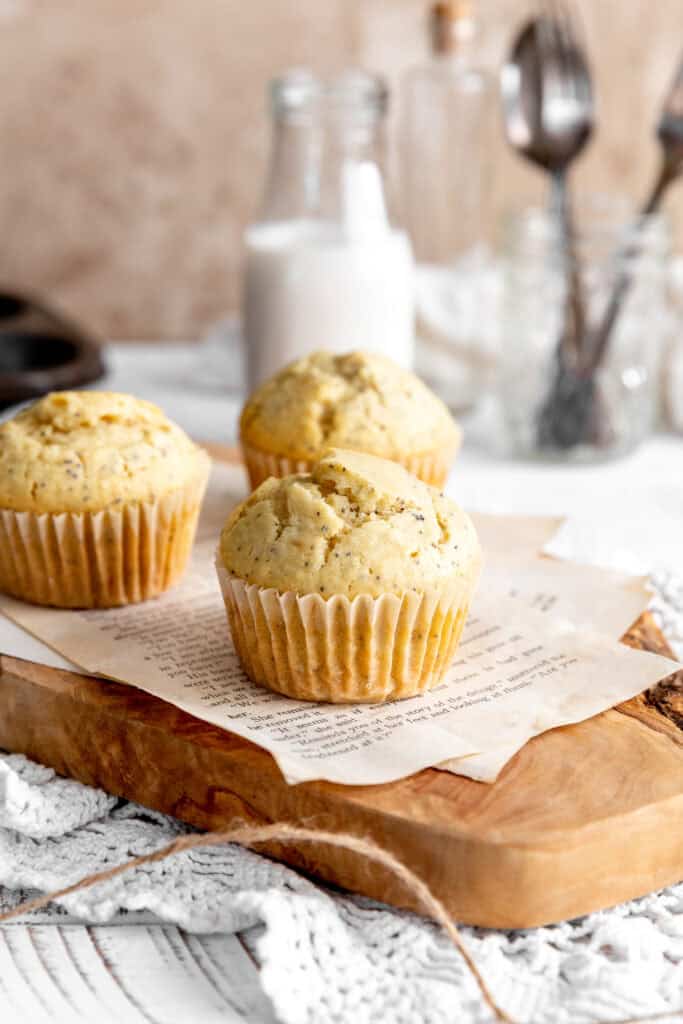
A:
670, 135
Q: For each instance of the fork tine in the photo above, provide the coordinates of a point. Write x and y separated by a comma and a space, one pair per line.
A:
583, 78
561, 20
570, 24
556, 32
573, 21
543, 26
564, 75
563, 38
577, 46
557, 19
564, 17
555, 72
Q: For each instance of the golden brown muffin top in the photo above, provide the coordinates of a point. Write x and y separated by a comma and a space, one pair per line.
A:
77, 451
357, 401
357, 524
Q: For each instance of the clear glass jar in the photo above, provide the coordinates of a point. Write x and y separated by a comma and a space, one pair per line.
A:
610, 243
326, 266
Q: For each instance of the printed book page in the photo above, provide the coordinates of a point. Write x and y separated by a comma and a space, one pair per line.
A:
529, 660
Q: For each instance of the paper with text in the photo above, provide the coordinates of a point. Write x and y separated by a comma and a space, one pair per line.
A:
526, 663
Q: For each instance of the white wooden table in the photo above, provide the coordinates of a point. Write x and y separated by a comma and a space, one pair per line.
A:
126, 974
155, 974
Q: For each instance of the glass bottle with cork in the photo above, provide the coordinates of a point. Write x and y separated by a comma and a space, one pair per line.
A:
447, 128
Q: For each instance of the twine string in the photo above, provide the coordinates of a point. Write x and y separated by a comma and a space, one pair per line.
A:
248, 835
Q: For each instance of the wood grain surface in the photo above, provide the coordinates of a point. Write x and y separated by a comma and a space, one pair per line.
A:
581, 818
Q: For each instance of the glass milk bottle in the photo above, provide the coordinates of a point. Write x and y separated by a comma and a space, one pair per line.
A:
326, 267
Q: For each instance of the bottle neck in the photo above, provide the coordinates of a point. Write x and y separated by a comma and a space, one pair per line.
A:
453, 28
352, 182
327, 165
291, 188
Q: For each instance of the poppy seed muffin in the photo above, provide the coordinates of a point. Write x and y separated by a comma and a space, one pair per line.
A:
358, 401
99, 500
351, 583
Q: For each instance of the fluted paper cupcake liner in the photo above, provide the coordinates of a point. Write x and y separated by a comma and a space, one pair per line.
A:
431, 467
367, 649
116, 556
260, 465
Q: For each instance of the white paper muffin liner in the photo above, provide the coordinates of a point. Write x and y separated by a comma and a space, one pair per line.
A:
431, 467
260, 465
367, 649
119, 555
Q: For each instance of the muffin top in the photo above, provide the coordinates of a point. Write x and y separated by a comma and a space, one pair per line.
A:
356, 524
359, 401
77, 451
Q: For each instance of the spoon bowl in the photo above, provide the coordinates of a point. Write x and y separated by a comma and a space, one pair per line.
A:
548, 108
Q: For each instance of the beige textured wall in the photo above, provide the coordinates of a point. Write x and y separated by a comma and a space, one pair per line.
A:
134, 134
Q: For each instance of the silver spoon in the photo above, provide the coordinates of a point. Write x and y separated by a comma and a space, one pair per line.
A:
549, 117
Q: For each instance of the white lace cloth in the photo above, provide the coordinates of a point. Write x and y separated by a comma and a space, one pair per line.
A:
327, 957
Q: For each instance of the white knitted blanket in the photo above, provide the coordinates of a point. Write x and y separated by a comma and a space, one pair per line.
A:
327, 957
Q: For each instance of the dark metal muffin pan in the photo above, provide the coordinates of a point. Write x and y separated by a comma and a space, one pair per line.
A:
41, 350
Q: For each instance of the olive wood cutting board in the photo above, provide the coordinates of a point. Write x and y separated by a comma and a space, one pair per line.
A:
583, 817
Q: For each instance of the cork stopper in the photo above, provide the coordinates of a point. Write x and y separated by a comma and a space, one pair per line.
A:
452, 22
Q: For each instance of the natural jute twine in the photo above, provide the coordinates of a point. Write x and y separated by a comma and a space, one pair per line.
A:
248, 835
